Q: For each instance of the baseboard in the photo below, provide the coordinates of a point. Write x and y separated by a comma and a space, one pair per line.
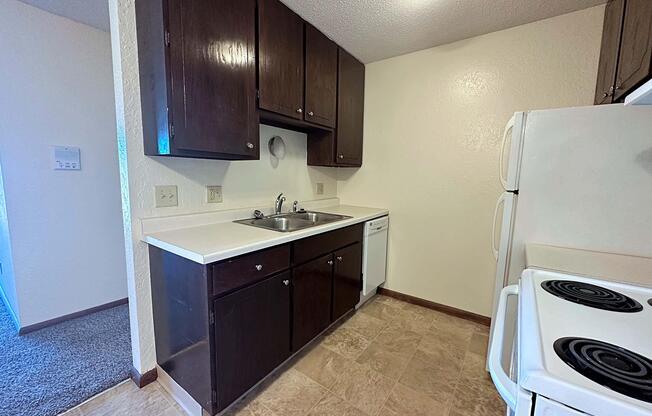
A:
469, 316
31, 328
141, 380
183, 399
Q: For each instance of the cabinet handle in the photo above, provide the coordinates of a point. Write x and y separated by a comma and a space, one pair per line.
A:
341, 156
250, 145
310, 113
286, 282
259, 267
340, 258
330, 262
299, 110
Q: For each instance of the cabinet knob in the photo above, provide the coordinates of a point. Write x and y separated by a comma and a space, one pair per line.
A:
259, 267
250, 145
330, 262
340, 258
310, 113
299, 110
286, 282
341, 156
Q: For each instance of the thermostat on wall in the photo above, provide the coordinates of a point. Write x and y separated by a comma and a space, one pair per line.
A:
66, 158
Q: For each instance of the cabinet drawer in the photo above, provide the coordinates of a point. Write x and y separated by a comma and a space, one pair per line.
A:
313, 247
249, 268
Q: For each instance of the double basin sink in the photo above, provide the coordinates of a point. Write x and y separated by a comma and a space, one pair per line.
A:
293, 221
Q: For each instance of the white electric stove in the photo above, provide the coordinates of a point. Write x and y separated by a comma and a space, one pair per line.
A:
583, 347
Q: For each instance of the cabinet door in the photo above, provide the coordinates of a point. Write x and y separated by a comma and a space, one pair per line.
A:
311, 299
321, 78
252, 335
635, 48
347, 279
280, 59
213, 76
350, 110
613, 23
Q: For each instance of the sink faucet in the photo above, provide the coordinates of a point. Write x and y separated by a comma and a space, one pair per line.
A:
278, 205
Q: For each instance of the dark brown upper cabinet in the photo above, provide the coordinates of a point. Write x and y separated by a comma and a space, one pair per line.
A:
343, 146
198, 78
626, 54
350, 110
321, 78
635, 57
613, 23
280, 59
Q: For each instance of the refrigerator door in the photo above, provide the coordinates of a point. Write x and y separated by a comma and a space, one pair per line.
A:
510, 152
585, 182
505, 212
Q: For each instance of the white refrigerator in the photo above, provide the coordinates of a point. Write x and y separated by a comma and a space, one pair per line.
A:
573, 177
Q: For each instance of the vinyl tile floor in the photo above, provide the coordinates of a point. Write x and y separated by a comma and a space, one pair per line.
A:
390, 358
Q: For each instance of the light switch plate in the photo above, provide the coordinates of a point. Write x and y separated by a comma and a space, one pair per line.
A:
66, 158
214, 194
320, 188
166, 196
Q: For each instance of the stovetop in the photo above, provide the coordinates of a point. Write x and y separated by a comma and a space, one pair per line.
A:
572, 347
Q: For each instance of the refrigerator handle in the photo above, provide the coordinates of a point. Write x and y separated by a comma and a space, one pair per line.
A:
500, 201
501, 160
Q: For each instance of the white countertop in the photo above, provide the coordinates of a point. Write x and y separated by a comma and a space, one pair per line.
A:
213, 242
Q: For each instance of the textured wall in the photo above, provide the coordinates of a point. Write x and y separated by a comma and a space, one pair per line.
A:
244, 183
65, 226
433, 125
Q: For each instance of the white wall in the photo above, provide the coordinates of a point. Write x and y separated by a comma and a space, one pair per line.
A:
65, 226
245, 183
433, 125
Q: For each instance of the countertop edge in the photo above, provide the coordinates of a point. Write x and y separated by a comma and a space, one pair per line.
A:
262, 244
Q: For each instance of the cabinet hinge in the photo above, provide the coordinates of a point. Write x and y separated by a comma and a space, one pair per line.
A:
171, 130
257, 95
214, 396
212, 318
167, 38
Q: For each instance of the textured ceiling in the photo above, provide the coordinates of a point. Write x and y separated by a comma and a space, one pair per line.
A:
377, 29
91, 12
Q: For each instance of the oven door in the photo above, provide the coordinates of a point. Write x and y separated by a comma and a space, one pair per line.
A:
518, 400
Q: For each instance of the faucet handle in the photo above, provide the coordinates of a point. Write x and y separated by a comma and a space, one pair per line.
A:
258, 214
295, 206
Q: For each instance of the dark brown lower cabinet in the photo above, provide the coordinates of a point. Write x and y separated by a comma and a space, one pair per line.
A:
220, 328
347, 279
252, 335
311, 299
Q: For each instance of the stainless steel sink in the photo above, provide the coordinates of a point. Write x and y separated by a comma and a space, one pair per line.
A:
292, 221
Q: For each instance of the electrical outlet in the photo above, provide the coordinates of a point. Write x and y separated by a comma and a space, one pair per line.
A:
320, 188
214, 194
166, 196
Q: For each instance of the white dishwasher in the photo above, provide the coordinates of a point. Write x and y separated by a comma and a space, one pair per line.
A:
374, 255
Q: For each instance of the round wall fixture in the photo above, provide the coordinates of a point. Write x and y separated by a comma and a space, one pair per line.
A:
277, 147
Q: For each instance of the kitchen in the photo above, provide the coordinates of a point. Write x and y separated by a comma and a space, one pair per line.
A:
278, 169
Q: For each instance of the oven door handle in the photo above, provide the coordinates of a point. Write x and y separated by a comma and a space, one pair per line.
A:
506, 387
